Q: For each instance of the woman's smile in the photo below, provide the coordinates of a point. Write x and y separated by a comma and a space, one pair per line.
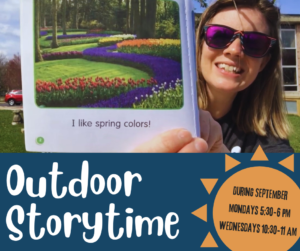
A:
229, 69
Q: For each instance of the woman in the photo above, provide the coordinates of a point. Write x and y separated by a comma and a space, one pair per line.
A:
239, 83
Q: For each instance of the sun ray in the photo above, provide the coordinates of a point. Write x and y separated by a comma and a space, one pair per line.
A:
209, 242
259, 155
209, 184
201, 213
288, 163
230, 163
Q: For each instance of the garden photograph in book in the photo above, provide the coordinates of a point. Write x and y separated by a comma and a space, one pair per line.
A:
108, 54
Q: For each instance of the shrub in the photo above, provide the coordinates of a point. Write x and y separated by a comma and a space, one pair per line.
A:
93, 24
94, 31
167, 29
62, 55
50, 31
112, 32
77, 36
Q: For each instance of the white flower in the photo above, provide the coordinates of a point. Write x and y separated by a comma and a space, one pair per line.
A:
142, 96
151, 96
136, 98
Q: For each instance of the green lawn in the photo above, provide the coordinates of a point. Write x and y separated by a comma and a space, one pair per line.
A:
12, 140
11, 137
77, 47
69, 68
295, 137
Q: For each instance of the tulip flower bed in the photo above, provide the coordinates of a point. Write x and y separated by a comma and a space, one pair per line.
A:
75, 92
62, 55
162, 69
77, 36
163, 97
43, 33
125, 36
106, 41
160, 58
167, 48
133, 98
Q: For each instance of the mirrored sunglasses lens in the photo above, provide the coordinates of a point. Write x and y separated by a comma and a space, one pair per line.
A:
218, 37
255, 44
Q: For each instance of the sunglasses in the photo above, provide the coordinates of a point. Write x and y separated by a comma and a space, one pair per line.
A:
254, 44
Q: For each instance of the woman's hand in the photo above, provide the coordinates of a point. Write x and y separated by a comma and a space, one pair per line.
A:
173, 141
181, 141
211, 132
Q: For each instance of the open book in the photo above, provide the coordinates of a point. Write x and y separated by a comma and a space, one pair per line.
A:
106, 75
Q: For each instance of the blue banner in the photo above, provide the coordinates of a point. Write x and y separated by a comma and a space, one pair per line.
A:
121, 201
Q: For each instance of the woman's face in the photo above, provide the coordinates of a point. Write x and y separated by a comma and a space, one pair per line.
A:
214, 61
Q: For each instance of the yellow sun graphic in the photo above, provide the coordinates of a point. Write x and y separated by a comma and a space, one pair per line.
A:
256, 208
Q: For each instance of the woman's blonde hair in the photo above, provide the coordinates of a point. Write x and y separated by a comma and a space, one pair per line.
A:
260, 107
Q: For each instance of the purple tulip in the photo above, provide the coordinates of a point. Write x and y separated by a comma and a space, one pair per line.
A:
43, 33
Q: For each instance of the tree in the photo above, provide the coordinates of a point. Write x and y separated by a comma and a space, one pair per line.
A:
75, 15
64, 13
142, 19
38, 55
12, 77
54, 43
127, 17
131, 16
150, 18
3, 67
42, 12
136, 16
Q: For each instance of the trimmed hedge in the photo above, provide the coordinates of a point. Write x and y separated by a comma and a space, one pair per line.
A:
62, 55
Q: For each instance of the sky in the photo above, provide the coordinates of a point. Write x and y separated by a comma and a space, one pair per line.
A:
9, 27
10, 22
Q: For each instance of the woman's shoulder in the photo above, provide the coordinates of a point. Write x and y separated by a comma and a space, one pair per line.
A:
271, 144
238, 141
